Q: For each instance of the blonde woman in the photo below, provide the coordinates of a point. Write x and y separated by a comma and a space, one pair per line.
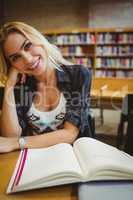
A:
45, 97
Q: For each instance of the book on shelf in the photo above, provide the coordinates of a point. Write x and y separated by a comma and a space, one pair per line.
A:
110, 49
87, 160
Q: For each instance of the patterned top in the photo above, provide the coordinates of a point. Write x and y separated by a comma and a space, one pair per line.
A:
45, 121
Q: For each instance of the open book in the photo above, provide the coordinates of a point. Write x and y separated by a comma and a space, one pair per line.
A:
88, 159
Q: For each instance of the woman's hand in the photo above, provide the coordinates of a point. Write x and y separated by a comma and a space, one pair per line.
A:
8, 144
13, 77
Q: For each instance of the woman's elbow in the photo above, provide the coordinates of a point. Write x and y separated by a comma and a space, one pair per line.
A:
72, 132
9, 132
74, 136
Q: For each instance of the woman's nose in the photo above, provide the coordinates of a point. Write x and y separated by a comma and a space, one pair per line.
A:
27, 57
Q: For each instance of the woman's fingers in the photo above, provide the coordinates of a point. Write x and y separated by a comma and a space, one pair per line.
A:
12, 77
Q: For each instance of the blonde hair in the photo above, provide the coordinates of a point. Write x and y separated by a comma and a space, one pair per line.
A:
54, 55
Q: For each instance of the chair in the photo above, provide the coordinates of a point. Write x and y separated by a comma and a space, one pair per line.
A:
125, 120
102, 89
97, 102
91, 119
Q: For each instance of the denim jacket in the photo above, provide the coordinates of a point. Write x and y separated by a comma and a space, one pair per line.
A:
75, 82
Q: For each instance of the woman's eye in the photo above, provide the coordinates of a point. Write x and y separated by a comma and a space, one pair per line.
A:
15, 58
27, 46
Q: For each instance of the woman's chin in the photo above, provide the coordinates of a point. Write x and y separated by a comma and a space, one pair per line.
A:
39, 70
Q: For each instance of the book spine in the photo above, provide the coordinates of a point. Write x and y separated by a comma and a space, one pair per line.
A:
20, 169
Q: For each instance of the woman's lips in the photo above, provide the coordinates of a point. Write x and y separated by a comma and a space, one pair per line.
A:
35, 64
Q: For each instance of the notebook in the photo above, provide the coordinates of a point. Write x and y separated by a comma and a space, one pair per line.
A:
106, 190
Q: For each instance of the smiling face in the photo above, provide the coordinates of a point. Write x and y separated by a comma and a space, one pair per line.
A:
25, 56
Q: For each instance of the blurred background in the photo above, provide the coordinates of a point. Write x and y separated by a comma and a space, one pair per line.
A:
95, 19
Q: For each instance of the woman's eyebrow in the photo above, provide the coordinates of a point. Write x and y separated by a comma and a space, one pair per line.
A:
23, 44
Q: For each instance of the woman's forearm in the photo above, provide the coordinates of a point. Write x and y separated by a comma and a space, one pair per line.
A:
9, 120
52, 138
66, 135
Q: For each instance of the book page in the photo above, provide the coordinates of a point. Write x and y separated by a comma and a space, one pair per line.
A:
102, 161
47, 164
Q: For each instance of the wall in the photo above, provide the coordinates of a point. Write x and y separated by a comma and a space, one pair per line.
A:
110, 13
1, 11
69, 14
62, 14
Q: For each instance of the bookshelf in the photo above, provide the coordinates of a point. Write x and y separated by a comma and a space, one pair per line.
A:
108, 51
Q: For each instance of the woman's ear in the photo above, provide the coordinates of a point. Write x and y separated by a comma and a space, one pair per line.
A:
23, 78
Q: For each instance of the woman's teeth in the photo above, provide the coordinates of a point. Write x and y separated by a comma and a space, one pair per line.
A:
35, 65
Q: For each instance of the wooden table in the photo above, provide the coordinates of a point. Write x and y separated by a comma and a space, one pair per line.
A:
107, 99
109, 92
7, 163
